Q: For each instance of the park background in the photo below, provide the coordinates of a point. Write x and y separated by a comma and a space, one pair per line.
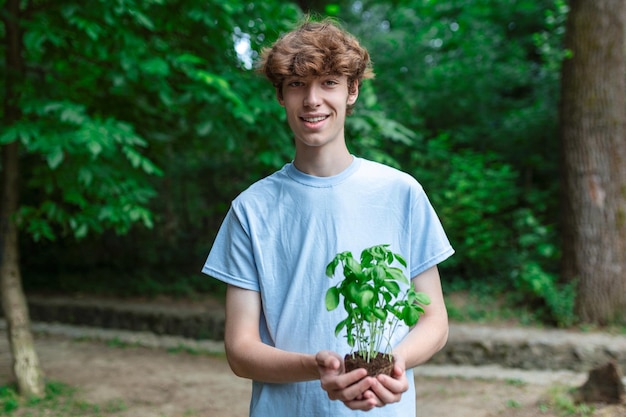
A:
128, 126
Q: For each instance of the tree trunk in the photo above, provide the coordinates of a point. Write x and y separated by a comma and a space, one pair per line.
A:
25, 362
593, 144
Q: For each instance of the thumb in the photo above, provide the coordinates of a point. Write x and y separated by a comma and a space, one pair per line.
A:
328, 360
399, 366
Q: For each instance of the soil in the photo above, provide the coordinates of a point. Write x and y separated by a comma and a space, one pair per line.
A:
152, 382
380, 364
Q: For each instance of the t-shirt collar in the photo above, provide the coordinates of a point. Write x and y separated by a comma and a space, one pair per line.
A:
321, 182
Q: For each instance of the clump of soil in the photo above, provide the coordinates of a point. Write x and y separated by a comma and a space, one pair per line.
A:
380, 364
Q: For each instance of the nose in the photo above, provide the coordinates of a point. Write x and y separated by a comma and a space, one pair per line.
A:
312, 97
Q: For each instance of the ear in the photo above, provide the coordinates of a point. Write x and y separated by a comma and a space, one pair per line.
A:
279, 97
353, 92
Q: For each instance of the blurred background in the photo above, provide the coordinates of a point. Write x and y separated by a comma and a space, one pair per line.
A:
136, 122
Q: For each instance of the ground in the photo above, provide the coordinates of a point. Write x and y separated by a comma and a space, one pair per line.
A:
150, 382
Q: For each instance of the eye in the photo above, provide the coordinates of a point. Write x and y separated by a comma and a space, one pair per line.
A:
295, 84
331, 83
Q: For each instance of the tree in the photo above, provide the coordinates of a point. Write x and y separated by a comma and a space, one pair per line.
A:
593, 147
81, 171
88, 89
478, 82
213, 124
25, 361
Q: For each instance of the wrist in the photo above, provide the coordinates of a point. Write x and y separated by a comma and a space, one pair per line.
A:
309, 365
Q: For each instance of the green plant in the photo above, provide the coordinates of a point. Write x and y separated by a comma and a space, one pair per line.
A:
9, 400
533, 272
373, 299
560, 400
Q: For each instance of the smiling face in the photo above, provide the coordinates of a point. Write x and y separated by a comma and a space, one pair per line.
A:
311, 68
316, 108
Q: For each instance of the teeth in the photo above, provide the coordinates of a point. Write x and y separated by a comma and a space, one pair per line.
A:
314, 119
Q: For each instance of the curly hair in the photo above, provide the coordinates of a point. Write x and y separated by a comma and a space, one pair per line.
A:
316, 49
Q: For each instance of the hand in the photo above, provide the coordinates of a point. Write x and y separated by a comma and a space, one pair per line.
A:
352, 388
389, 389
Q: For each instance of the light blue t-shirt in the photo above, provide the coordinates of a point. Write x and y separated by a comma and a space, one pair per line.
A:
277, 239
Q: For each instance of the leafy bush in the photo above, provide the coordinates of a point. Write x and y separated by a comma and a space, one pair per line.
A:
534, 272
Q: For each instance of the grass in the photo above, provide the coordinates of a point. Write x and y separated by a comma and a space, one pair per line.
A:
60, 400
560, 400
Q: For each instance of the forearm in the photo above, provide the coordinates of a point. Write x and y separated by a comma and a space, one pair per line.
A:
423, 341
430, 334
261, 362
248, 355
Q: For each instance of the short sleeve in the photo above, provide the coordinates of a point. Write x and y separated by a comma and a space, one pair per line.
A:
231, 258
430, 245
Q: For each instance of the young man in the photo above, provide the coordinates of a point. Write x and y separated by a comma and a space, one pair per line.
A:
279, 235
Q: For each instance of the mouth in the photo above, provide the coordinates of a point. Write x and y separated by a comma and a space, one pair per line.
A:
313, 122
315, 119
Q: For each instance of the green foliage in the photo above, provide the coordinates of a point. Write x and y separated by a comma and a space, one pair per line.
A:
533, 277
373, 298
149, 112
128, 101
477, 83
9, 400
142, 72
92, 178
369, 129
474, 194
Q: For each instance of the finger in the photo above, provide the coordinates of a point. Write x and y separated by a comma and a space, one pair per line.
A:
326, 359
330, 363
383, 395
369, 394
352, 379
365, 404
349, 387
398, 366
397, 371
357, 388
352, 392
395, 385
388, 390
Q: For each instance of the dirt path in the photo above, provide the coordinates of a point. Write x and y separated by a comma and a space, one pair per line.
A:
156, 383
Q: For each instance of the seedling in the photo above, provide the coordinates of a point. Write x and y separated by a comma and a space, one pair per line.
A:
374, 300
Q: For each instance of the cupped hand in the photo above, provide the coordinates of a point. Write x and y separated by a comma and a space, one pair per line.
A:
352, 388
389, 389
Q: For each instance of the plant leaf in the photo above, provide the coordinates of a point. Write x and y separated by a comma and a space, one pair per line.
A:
393, 288
330, 268
397, 275
55, 157
400, 259
380, 313
353, 265
341, 325
332, 298
422, 298
410, 316
365, 299
378, 272
352, 293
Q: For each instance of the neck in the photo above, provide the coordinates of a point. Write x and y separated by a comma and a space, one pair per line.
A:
322, 164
